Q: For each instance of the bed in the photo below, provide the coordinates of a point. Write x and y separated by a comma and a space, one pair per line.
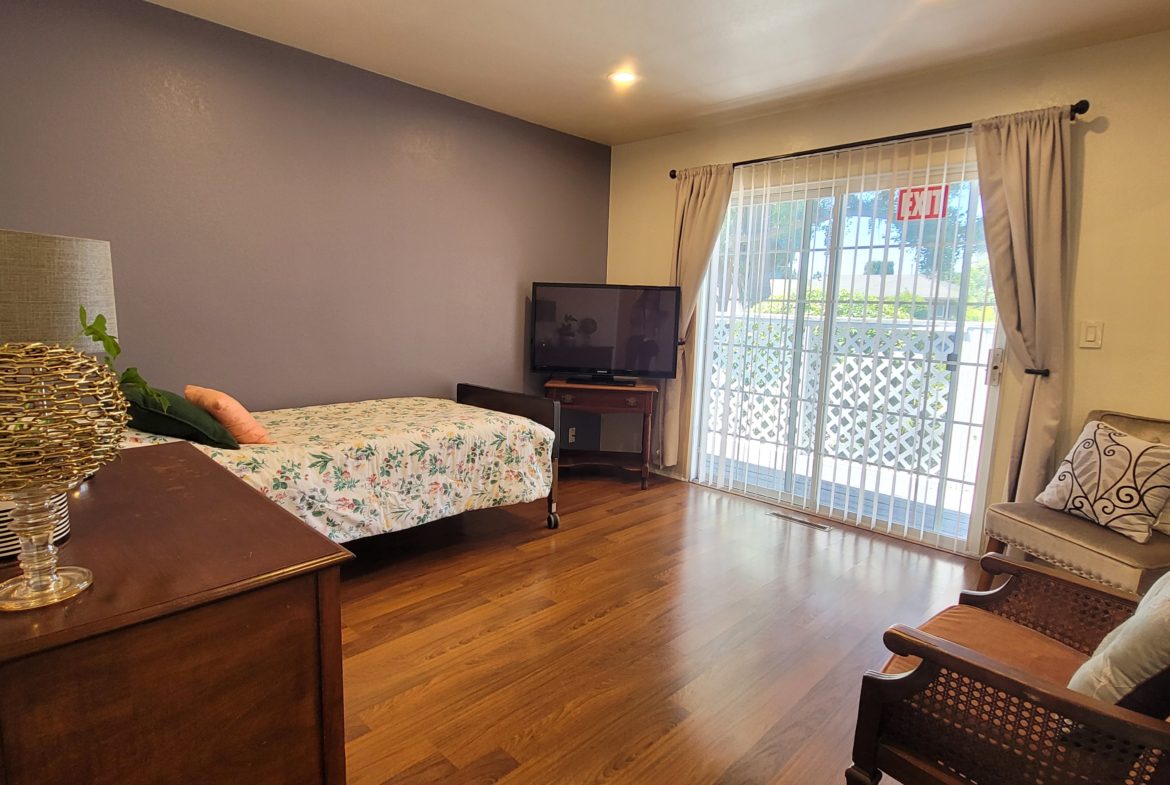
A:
354, 470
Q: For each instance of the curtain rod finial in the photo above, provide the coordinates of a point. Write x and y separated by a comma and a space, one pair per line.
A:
673, 174
1080, 107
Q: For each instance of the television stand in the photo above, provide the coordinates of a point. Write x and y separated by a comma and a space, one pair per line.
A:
604, 378
605, 399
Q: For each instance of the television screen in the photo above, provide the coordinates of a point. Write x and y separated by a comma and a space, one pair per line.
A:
605, 329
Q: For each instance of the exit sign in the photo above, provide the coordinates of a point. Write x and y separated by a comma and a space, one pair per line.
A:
923, 202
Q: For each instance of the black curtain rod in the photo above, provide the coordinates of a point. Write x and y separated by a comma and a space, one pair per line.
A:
1079, 108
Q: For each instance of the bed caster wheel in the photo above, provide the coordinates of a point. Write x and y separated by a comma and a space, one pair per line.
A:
554, 521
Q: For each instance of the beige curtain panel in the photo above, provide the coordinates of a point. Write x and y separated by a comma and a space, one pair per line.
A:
700, 206
1023, 164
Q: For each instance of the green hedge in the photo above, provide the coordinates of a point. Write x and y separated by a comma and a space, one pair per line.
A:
858, 305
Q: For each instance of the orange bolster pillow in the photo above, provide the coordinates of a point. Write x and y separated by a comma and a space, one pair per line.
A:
230, 413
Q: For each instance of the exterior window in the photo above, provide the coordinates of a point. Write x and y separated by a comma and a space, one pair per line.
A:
847, 320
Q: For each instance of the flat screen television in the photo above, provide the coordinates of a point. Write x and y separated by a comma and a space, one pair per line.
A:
604, 331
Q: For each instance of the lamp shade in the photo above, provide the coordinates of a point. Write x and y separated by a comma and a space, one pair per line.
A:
43, 281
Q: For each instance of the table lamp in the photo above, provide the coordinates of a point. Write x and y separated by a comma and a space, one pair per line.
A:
61, 412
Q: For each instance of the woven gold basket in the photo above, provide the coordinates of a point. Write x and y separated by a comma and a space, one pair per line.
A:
61, 419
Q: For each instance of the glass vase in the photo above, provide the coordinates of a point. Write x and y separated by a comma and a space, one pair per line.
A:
34, 518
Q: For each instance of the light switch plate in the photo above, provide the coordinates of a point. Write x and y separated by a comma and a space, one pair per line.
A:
1092, 334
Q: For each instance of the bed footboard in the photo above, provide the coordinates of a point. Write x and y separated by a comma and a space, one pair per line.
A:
534, 407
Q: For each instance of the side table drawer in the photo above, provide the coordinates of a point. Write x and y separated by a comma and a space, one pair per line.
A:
616, 400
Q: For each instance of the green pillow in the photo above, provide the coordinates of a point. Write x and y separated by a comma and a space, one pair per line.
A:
182, 419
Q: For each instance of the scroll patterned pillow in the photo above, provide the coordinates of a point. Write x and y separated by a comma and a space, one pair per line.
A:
1113, 479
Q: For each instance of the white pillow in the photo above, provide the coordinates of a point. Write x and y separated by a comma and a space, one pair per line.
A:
1131, 666
1113, 479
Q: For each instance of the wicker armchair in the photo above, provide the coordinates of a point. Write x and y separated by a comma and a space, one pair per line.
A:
956, 715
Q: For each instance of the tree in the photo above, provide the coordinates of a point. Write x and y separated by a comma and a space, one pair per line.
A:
938, 244
764, 241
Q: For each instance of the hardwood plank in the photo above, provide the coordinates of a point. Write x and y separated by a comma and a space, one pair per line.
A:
426, 612
369, 762
670, 635
377, 671
489, 769
433, 769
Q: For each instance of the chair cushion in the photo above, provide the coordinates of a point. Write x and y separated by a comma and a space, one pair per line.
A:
1148, 428
1002, 640
1080, 546
1131, 666
1114, 479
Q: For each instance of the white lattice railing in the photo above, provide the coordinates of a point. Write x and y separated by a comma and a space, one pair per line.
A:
886, 392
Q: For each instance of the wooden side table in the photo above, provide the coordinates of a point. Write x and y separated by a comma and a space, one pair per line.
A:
607, 399
207, 650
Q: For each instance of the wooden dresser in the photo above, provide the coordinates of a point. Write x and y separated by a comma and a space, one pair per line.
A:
207, 651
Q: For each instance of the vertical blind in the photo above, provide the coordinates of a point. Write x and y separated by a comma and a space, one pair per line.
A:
846, 322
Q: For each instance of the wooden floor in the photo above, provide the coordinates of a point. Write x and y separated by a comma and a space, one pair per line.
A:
674, 635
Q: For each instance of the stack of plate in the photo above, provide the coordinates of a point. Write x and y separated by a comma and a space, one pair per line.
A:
10, 545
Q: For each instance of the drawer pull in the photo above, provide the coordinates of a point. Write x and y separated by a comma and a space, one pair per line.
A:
631, 401
568, 398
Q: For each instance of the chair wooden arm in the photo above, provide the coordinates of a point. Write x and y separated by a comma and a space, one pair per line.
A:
1065, 607
904, 640
963, 712
997, 564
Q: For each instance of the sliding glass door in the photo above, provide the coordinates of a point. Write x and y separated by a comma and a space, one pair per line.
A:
847, 321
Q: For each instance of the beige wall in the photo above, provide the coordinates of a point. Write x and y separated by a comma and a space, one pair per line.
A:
1121, 241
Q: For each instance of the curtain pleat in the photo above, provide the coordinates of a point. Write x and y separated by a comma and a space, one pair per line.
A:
701, 203
1023, 164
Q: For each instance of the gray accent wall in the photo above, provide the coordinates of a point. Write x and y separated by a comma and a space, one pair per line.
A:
284, 227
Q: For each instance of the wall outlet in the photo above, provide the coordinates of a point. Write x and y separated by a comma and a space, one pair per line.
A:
572, 435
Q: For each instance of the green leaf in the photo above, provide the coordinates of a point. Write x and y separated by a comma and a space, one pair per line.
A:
320, 461
162, 401
98, 331
132, 378
110, 344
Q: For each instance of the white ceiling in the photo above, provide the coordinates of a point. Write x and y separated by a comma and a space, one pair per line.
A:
700, 61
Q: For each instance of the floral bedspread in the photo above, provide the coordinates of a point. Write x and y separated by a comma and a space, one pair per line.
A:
352, 470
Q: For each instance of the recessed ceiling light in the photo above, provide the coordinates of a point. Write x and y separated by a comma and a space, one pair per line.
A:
623, 77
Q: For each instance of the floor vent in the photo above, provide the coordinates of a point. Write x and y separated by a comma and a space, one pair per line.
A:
810, 524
